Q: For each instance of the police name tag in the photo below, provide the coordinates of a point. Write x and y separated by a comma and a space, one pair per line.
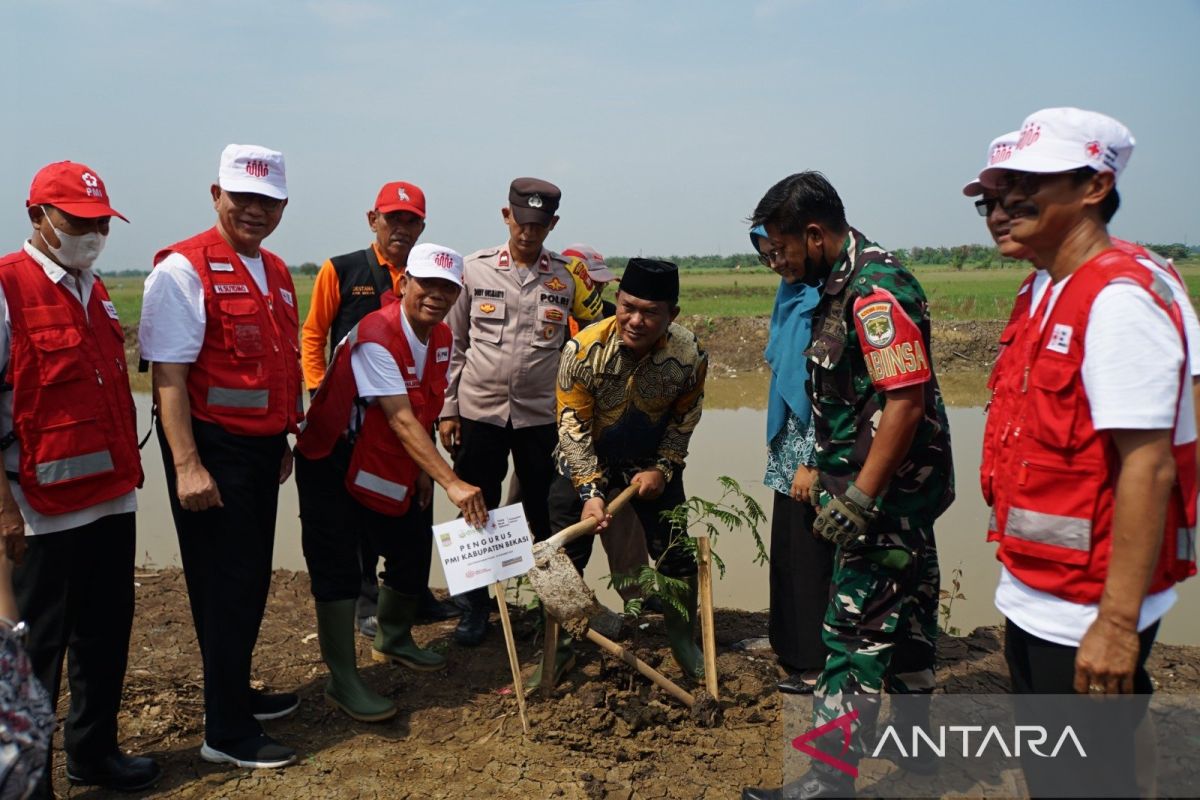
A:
220, 266
441, 354
287, 297
231, 288
1060, 339
110, 308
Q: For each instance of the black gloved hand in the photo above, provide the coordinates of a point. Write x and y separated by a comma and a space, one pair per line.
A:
846, 518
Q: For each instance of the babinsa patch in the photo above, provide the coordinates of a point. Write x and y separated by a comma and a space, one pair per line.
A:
878, 326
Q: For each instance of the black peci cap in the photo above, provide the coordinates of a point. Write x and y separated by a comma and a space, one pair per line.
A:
649, 279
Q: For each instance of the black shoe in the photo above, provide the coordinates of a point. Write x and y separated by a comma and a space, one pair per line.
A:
272, 705
434, 610
812, 784
473, 627
797, 683
254, 752
368, 626
117, 771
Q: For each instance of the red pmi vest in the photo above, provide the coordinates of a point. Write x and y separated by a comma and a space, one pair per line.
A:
1048, 474
73, 413
247, 376
382, 474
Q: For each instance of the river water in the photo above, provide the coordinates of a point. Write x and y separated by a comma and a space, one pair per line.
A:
729, 441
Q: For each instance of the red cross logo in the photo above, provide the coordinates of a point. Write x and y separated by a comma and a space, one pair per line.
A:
1093, 149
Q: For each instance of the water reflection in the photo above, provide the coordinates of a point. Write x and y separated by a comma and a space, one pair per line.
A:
729, 441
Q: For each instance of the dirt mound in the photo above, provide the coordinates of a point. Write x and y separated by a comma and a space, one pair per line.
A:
605, 733
735, 344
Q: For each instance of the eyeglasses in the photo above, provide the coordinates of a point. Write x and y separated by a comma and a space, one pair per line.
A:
768, 258
1030, 183
985, 205
247, 199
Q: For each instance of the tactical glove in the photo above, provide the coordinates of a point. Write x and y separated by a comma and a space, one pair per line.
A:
846, 518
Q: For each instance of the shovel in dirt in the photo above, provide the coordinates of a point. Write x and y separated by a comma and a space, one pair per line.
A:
569, 601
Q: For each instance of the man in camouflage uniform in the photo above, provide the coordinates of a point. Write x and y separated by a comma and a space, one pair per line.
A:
883, 454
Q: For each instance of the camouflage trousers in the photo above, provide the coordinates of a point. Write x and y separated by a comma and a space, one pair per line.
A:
880, 630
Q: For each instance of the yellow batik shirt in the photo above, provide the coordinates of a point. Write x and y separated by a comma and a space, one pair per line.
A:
617, 415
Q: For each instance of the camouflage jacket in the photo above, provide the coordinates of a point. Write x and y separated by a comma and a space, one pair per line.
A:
858, 346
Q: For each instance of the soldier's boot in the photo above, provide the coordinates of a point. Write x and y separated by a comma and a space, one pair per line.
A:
394, 642
345, 688
564, 660
820, 781
681, 632
910, 711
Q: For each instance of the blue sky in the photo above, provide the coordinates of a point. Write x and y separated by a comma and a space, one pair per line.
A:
663, 122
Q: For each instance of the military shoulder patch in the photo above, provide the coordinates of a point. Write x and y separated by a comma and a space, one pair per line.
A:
892, 345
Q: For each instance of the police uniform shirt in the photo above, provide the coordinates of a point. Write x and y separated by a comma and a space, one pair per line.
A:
36, 523
173, 318
509, 324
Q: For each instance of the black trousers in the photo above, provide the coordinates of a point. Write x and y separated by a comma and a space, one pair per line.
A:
1038, 667
565, 508
801, 568
333, 523
482, 460
75, 589
226, 554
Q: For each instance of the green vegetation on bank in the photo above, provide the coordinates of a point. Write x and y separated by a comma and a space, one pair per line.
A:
958, 294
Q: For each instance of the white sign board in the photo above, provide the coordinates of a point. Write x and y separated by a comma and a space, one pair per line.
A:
479, 557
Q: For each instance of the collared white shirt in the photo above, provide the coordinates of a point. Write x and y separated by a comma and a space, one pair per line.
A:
36, 523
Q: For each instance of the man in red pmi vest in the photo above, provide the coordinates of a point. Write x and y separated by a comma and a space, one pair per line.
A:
219, 322
1089, 451
71, 465
366, 460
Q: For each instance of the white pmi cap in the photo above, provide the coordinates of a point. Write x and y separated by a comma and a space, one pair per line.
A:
999, 151
435, 261
250, 168
1062, 139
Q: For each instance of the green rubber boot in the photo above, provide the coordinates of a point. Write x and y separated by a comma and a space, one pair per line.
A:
394, 642
564, 660
681, 632
345, 688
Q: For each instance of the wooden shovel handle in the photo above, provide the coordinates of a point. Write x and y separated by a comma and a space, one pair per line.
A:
660, 680
572, 532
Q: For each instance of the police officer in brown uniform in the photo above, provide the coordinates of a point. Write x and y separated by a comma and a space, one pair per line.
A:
509, 324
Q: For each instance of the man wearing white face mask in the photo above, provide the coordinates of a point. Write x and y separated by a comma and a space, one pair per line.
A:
71, 464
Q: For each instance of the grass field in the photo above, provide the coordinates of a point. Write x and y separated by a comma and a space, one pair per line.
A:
953, 294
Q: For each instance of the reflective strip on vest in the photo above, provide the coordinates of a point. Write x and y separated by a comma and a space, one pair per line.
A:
380, 485
237, 398
1185, 544
67, 469
1072, 533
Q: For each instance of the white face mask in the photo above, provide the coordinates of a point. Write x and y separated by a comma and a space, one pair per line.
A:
76, 252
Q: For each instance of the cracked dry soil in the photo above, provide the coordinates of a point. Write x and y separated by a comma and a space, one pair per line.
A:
606, 733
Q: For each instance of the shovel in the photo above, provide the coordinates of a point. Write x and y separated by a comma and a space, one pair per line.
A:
566, 598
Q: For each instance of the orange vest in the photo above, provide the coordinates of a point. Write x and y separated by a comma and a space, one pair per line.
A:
247, 376
381, 474
1048, 474
72, 409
